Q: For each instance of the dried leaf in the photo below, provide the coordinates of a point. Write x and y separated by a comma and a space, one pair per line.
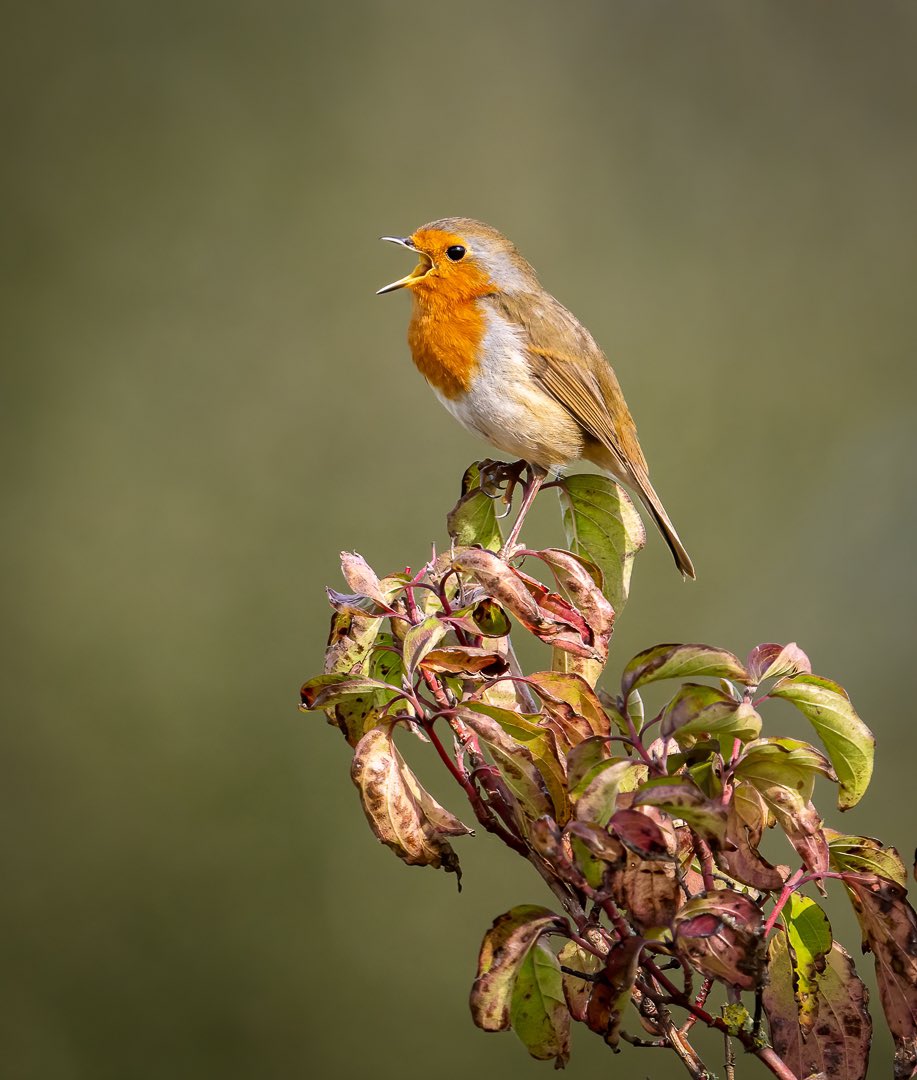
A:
611, 994
473, 519
515, 762
773, 661
838, 1044
641, 834
744, 862
392, 808
538, 1011
582, 582
647, 889
849, 742
889, 927
503, 950
571, 702
467, 661
678, 662
603, 526
362, 579
720, 933
577, 991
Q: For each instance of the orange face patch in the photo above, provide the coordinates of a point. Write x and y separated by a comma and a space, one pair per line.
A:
447, 326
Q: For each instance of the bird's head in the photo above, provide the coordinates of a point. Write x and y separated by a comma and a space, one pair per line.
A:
462, 259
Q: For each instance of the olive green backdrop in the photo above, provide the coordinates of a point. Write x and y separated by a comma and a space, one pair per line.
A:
203, 402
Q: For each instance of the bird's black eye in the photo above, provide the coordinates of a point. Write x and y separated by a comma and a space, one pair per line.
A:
456, 252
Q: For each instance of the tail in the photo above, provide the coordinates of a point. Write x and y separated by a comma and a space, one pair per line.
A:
653, 503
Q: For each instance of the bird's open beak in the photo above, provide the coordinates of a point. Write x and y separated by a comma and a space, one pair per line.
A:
419, 271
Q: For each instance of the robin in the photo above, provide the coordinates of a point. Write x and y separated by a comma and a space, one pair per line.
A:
513, 365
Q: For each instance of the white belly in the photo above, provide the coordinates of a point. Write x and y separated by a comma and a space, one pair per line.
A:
508, 409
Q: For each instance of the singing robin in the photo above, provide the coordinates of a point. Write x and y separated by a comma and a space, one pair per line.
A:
514, 365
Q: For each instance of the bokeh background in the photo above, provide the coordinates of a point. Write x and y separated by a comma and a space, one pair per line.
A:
203, 402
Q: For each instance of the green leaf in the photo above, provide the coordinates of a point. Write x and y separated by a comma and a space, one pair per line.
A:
865, 855
419, 640
503, 950
849, 742
599, 799
679, 662
473, 519
680, 797
568, 698
326, 690
698, 709
603, 526
538, 1011
809, 939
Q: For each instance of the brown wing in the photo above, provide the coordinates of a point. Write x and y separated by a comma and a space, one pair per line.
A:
570, 365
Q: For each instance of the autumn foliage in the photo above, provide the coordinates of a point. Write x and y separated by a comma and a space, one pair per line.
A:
646, 828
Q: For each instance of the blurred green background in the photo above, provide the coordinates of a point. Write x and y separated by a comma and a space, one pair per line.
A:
203, 402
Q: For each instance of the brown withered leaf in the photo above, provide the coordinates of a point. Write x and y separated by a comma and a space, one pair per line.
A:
720, 934
503, 950
577, 991
889, 927
743, 861
772, 661
362, 579
599, 841
690, 873
547, 839
582, 582
611, 994
393, 805
465, 660
838, 1043
646, 887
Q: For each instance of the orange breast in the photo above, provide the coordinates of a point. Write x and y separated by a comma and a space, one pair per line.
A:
447, 329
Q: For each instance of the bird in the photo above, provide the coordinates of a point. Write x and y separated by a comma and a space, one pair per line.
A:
514, 366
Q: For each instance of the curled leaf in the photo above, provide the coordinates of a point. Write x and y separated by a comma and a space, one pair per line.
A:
865, 855
679, 662
680, 797
420, 640
697, 710
473, 519
773, 661
720, 933
611, 993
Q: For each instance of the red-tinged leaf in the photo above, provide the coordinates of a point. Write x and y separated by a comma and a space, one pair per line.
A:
582, 582
547, 839
466, 661
642, 835
541, 744
576, 991
889, 927
503, 950
361, 578
538, 1011
743, 861
773, 661
611, 994
698, 710
679, 662
568, 700
647, 889
838, 1044
720, 934
326, 690
515, 762
597, 840
501, 583
420, 640
394, 810
865, 855
849, 742
599, 799
473, 519
602, 526
680, 797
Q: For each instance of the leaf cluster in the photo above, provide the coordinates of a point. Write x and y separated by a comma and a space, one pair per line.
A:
647, 830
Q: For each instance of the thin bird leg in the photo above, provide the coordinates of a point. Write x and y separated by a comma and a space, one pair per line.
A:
537, 478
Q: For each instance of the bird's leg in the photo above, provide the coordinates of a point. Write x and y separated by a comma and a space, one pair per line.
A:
537, 476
